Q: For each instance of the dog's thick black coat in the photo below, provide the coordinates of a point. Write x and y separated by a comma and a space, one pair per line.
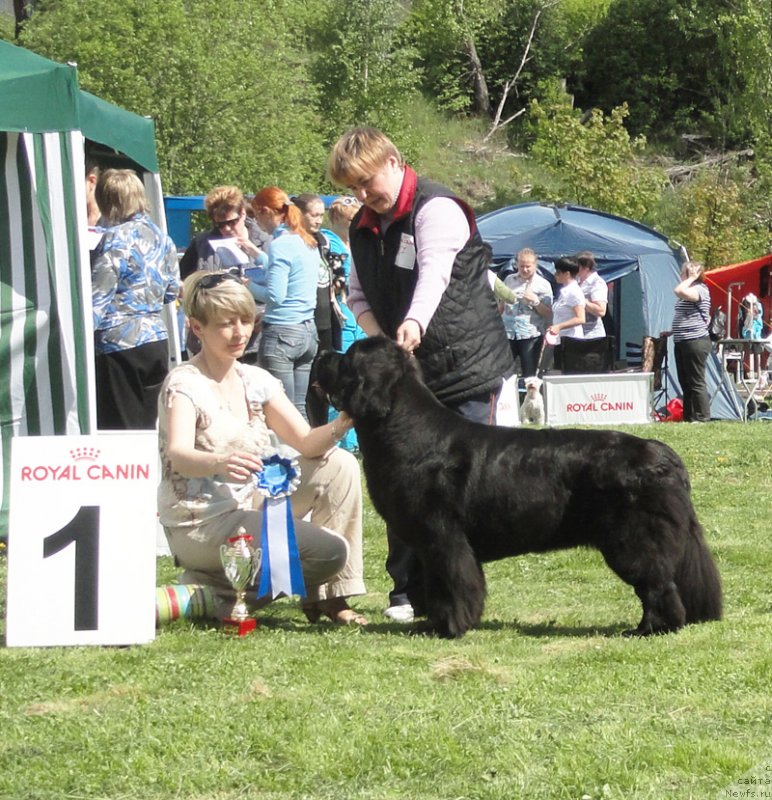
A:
462, 493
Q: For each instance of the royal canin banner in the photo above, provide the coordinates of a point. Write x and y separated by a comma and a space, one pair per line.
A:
81, 544
620, 398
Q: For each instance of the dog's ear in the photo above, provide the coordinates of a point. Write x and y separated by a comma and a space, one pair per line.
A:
370, 372
326, 377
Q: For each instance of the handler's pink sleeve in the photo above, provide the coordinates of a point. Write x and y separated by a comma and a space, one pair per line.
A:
441, 230
356, 297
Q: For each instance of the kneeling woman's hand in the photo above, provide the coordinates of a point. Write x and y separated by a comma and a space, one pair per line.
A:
239, 466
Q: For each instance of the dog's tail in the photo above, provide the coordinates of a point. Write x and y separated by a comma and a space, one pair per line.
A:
697, 578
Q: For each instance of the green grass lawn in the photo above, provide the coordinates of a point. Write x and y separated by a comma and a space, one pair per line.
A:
545, 700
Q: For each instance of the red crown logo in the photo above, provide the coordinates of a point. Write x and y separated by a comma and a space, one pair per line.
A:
85, 453
597, 397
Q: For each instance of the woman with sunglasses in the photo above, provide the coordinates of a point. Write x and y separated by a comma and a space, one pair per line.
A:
289, 339
216, 419
227, 210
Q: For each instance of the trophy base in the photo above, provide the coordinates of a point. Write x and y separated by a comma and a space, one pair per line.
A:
239, 627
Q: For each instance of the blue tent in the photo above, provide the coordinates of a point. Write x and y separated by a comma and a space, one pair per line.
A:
638, 263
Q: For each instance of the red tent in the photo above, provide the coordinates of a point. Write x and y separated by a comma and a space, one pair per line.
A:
728, 286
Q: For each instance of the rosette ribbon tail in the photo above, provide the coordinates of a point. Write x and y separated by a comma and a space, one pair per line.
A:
282, 572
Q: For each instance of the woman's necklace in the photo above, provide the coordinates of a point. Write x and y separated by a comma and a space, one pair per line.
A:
225, 403
223, 388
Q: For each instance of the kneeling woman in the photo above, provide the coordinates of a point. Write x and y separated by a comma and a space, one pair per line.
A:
215, 415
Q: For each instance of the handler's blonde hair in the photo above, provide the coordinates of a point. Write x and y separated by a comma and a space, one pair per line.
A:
359, 154
228, 296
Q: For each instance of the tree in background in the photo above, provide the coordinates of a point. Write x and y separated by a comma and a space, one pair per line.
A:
446, 34
254, 94
681, 66
363, 66
593, 160
471, 49
223, 80
713, 215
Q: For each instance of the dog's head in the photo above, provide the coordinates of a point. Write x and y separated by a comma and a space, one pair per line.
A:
363, 380
533, 386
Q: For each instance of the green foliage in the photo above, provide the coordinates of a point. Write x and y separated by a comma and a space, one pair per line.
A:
597, 163
749, 62
223, 80
712, 216
546, 700
555, 52
363, 67
7, 27
500, 30
441, 30
255, 94
681, 65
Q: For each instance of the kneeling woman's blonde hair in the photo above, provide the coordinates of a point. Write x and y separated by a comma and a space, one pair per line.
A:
209, 295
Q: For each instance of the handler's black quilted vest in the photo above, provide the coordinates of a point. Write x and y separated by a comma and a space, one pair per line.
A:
464, 351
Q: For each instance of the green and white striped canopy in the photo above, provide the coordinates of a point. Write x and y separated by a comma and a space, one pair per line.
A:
46, 338
45, 351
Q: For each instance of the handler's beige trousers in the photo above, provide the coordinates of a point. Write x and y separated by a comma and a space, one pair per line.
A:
330, 544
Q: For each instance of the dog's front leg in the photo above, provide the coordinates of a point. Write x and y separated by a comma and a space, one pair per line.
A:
455, 586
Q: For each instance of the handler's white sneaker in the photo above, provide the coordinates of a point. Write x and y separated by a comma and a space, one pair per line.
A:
403, 613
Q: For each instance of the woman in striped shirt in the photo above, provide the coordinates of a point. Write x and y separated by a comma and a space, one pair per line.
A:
692, 343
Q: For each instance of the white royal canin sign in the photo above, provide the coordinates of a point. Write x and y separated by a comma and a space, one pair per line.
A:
81, 544
610, 399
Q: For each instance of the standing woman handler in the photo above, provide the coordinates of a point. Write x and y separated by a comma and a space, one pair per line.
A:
215, 419
420, 276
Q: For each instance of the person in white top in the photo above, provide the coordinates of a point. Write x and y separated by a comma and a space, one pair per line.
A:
568, 310
595, 291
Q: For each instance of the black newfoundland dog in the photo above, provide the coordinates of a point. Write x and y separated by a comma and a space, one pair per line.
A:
462, 493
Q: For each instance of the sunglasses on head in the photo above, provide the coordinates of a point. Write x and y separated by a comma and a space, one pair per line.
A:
345, 201
215, 279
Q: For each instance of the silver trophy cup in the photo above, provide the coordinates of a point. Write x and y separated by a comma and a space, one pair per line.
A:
241, 563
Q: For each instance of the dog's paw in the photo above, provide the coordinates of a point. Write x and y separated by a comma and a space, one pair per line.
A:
423, 628
648, 630
441, 630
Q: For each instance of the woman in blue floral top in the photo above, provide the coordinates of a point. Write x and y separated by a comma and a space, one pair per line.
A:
134, 274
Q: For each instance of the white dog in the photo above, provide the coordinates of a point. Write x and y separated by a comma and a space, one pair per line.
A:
532, 409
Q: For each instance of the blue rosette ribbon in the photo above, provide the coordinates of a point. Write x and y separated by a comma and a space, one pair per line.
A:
281, 571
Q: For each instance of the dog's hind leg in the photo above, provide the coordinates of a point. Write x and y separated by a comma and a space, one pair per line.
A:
663, 611
648, 565
455, 586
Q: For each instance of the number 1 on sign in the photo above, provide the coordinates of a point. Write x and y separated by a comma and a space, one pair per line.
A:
82, 531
